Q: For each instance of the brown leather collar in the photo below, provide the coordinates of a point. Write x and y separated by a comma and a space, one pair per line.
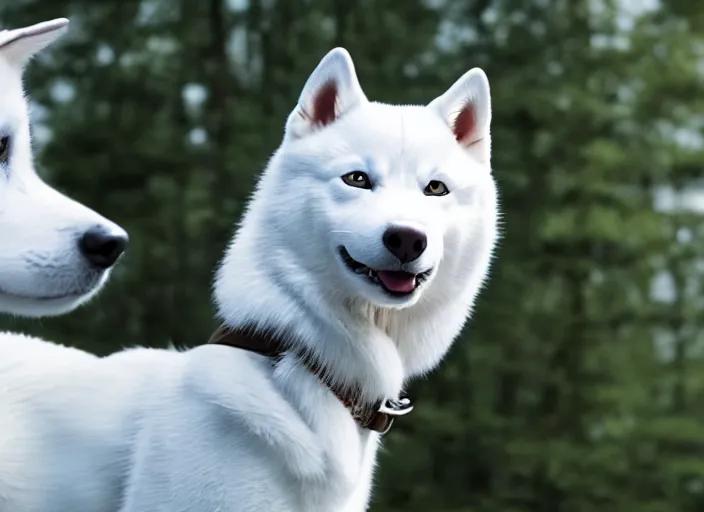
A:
378, 416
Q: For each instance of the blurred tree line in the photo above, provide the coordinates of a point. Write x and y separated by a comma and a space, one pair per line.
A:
579, 384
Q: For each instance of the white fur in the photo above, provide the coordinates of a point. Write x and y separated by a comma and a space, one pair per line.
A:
219, 429
42, 271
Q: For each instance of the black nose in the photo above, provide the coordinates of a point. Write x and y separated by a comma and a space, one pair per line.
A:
102, 248
405, 243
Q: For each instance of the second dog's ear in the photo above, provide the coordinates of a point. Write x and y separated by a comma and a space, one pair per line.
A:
19, 45
331, 91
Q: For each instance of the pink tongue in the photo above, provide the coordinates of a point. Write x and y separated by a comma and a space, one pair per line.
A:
401, 282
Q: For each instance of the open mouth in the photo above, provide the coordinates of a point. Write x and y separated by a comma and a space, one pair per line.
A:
394, 282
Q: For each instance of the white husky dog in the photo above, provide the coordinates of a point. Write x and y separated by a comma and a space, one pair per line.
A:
355, 267
54, 252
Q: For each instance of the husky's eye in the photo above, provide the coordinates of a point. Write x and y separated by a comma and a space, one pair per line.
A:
436, 188
357, 179
4, 149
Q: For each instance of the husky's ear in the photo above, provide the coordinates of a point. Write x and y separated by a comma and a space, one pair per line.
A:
20, 45
466, 108
330, 92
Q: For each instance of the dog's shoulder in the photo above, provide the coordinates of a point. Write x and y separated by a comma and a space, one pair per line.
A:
238, 387
223, 375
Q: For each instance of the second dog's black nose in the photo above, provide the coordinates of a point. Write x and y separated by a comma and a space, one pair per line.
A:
102, 248
406, 244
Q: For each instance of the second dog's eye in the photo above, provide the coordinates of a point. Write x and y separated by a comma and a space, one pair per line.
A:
357, 179
436, 188
4, 149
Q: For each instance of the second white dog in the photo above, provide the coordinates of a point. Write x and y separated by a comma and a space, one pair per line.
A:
55, 253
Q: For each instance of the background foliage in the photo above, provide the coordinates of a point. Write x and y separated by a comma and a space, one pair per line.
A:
579, 385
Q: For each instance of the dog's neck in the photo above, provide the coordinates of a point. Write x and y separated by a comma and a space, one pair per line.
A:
377, 416
353, 342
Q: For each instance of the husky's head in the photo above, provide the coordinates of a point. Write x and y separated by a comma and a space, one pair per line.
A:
381, 201
54, 252
372, 229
